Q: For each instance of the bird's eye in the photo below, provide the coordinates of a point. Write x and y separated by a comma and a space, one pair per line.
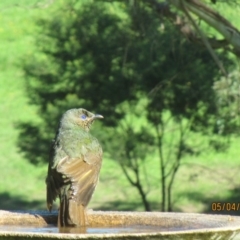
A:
83, 116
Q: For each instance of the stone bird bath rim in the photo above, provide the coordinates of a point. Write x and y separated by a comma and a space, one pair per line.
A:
162, 225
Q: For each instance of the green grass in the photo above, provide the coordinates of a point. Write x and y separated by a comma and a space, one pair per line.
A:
22, 184
201, 180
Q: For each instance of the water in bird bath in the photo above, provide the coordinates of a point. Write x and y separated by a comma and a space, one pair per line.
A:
90, 230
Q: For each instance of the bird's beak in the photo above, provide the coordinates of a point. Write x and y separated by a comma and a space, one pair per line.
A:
96, 116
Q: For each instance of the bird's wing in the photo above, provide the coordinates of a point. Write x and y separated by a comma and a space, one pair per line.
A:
54, 182
83, 172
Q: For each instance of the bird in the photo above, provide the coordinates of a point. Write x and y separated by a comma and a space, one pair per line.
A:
74, 167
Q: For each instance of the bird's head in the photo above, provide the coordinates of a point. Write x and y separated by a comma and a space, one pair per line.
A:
79, 117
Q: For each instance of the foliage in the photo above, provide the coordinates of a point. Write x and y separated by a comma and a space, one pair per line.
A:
116, 59
75, 67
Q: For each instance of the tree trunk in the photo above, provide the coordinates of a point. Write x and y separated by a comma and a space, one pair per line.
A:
138, 185
162, 170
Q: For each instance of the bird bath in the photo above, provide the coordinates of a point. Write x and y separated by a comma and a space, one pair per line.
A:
120, 225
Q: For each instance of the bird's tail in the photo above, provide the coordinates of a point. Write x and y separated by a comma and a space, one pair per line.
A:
71, 213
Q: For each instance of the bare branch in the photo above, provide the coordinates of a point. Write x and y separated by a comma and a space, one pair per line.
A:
213, 19
204, 38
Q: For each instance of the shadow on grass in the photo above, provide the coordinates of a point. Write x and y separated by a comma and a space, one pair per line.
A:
124, 206
9, 202
215, 205
13, 202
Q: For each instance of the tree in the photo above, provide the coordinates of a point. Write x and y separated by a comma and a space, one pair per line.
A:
114, 58
72, 67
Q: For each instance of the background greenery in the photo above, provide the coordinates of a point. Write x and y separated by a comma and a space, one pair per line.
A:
206, 177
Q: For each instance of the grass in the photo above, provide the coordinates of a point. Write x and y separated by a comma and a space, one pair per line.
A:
210, 177
23, 183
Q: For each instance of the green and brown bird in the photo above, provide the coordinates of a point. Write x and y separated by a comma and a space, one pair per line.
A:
74, 167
